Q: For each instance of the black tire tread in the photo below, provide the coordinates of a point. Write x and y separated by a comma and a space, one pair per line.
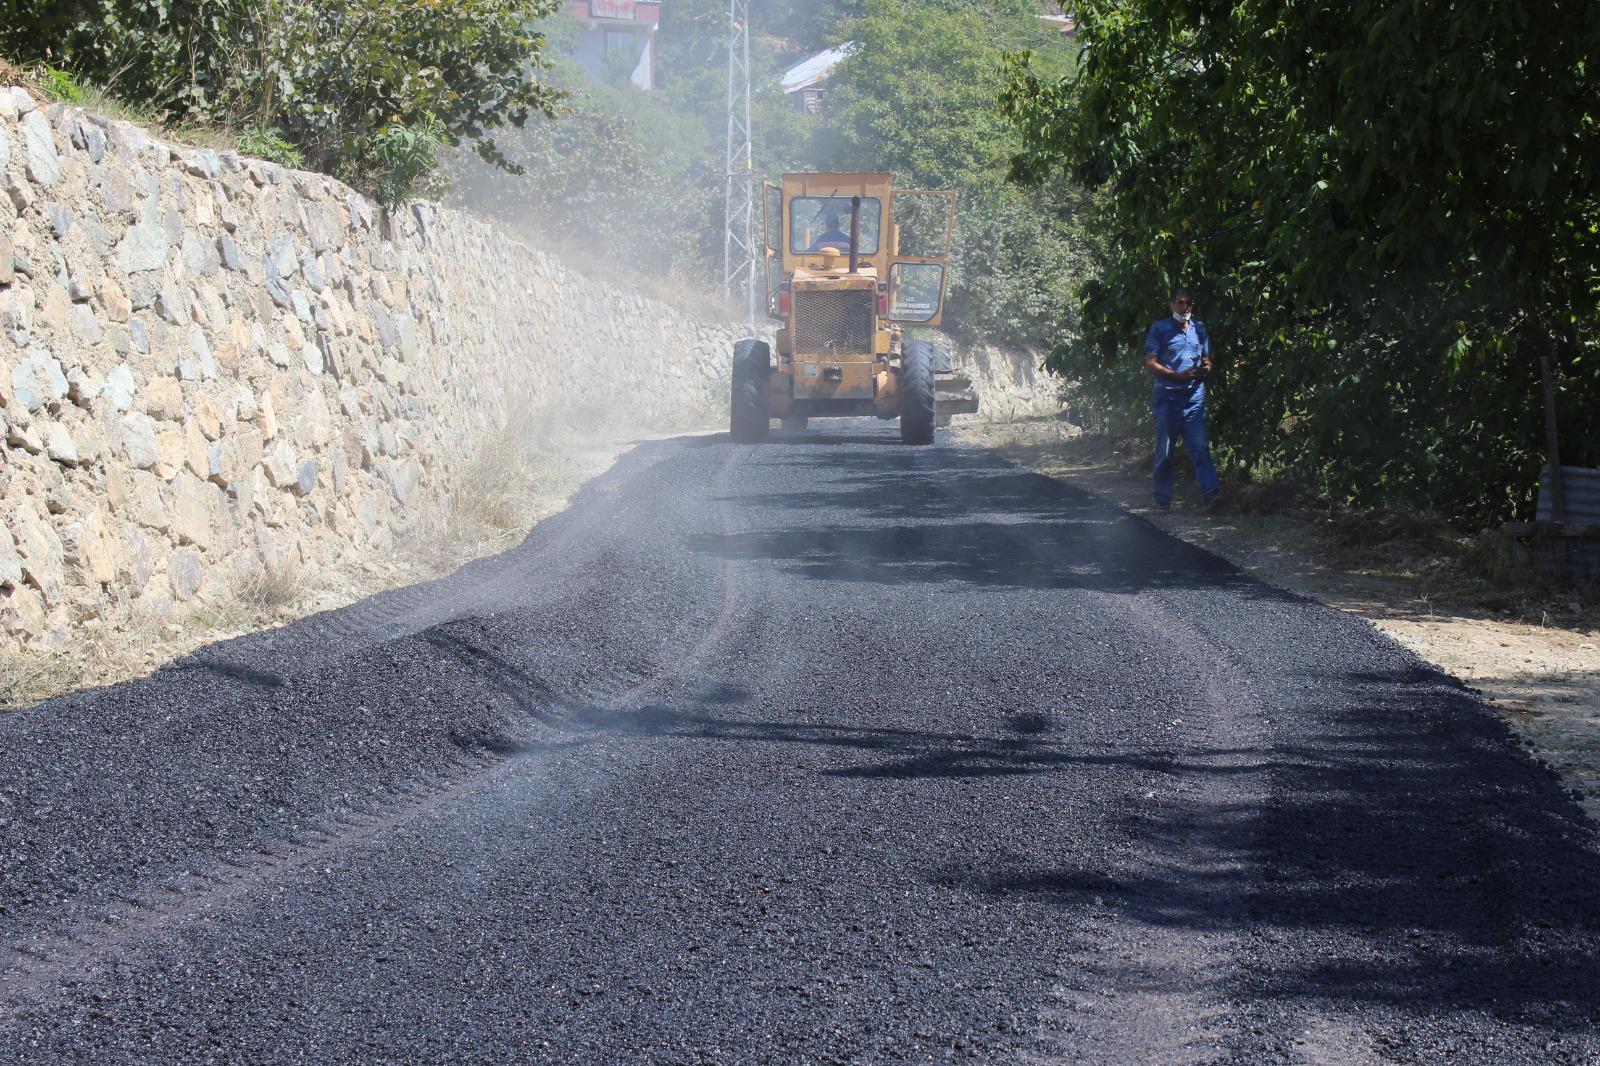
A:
917, 393
748, 421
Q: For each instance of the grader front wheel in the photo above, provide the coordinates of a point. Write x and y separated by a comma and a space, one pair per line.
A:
917, 414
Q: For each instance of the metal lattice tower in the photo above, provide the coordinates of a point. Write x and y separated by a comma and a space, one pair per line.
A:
740, 255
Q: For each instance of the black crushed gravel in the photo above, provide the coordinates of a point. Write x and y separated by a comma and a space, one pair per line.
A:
828, 750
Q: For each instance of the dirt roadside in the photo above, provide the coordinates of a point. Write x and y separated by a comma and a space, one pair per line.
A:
1539, 666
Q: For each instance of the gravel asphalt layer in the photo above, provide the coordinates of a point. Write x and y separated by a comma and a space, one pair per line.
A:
824, 750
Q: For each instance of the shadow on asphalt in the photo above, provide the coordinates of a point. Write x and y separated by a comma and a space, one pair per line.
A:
1405, 847
958, 517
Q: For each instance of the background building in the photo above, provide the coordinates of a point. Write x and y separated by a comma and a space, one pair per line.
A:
616, 39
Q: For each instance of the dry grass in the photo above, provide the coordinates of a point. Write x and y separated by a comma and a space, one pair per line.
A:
118, 644
269, 589
46, 83
488, 497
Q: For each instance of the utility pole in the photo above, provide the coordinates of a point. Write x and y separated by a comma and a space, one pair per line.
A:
739, 256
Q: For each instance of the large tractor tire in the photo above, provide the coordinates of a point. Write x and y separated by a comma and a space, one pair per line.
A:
747, 412
917, 415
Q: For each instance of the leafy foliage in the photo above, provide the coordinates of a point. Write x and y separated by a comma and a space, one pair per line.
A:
61, 85
267, 142
1389, 210
339, 79
917, 96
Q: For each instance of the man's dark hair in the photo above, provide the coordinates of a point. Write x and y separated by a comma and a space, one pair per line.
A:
1180, 290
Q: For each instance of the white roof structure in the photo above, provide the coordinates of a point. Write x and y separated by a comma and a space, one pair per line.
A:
808, 72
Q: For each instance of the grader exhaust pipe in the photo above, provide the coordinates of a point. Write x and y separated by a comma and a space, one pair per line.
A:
855, 232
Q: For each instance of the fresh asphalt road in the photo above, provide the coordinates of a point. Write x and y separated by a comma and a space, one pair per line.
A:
824, 750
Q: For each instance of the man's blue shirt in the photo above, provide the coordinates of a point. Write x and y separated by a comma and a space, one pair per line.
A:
1178, 349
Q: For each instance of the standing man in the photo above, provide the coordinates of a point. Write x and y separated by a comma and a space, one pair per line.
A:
1177, 352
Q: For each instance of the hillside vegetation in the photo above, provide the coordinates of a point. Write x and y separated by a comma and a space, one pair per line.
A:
1389, 211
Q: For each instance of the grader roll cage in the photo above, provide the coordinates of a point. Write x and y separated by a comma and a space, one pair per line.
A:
845, 298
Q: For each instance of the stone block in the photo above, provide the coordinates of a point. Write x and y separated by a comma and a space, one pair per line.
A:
194, 450
169, 453
85, 325
61, 218
10, 561
21, 195
138, 563
39, 149
145, 503
89, 139
305, 478
228, 254
83, 386
142, 248
269, 417
41, 554
163, 398
185, 574
119, 387
208, 418
118, 307
279, 465
22, 612
90, 550
38, 380
192, 511
202, 352
136, 435
200, 257
281, 257
59, 445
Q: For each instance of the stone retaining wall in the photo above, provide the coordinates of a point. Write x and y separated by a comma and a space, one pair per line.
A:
1010, 384
212, 366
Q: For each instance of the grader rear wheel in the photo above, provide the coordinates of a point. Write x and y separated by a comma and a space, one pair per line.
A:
748, 421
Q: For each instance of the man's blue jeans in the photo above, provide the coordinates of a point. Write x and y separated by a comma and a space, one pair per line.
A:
1185, 417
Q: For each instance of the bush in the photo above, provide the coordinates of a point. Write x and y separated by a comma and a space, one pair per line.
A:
338, 80
267, 142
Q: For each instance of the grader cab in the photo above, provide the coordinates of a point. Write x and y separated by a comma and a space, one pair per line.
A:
846, 293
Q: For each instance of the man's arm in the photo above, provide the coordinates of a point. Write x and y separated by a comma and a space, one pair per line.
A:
1152, 364
1152, 361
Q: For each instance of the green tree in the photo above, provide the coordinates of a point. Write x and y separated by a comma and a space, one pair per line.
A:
1389, 208
365, 89
917, 96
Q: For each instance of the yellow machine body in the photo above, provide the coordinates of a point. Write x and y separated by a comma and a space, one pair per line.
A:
839, 347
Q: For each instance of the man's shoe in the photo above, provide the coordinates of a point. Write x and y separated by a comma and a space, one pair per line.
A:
1163, 505
1210, 501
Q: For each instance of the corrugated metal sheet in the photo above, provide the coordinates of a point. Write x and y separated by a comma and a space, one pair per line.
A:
810, 71
1581, 487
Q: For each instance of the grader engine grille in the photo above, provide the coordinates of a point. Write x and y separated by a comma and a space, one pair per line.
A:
833, 321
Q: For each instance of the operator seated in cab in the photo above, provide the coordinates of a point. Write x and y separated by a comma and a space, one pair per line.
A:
831, 237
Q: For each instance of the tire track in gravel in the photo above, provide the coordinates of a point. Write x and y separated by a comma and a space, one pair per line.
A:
1154, 993
32, 974
881, 754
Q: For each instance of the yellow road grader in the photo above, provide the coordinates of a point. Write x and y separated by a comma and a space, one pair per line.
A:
845, 292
